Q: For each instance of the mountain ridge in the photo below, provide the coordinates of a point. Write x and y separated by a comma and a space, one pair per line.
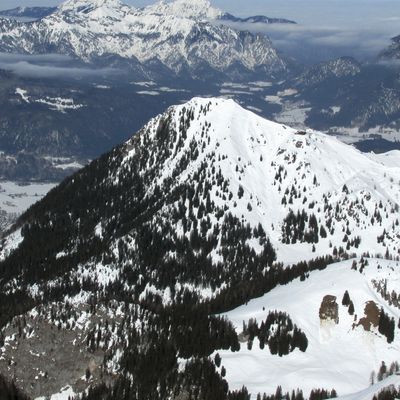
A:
40, 12
393, 51
207, 207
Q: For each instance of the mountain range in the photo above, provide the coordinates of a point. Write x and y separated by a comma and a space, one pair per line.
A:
130, 58
136, 262
179, 37
359, 102
256, 19
41, 12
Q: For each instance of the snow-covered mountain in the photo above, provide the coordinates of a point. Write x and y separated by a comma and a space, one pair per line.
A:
337, 68
180, 35
270, 171
358, 102
28, 12
209, 12
206, 208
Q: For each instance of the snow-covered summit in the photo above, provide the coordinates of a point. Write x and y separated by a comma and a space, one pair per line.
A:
90, 14
196, 9
275, 173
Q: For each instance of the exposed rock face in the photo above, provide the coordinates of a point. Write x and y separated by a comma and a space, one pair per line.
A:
329, 310
371, 316
393, 51
337, 68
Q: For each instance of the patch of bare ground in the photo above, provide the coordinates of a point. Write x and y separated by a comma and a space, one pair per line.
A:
371, 316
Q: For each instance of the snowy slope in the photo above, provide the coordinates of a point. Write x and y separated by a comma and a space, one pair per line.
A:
177, 34
340, 356
325, 173
390, 159
16, 198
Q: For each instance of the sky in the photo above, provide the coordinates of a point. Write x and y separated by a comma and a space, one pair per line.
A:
326, 29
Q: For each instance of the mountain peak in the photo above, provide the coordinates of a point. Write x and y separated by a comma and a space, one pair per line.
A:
195, 9
85, 6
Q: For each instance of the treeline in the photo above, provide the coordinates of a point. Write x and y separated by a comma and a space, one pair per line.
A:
241, 292
199, 381
316, 394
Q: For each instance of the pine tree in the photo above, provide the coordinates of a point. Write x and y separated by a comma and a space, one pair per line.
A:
351, 308
346, 299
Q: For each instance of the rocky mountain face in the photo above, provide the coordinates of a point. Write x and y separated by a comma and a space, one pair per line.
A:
132, 259
338, 68
393, 51
257, 19
359, 102
178, 35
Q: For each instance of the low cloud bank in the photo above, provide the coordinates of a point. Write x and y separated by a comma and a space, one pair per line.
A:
49, 66
314, 44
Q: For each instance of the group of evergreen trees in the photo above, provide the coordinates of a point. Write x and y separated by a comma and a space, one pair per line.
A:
389, 393
384, 372
392, 297
301, 228
386, 326
278, 332
347, 302
316, 394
